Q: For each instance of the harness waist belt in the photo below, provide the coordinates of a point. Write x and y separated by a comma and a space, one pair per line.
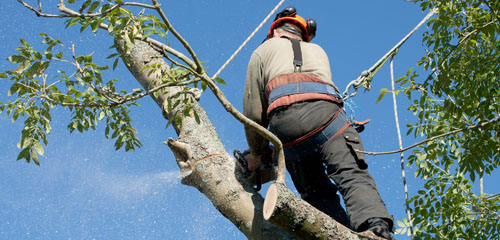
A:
302, 87
310, 144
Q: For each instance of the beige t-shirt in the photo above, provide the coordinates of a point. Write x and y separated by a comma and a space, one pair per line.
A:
275, 57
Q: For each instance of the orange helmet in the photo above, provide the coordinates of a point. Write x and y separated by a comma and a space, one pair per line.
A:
289, 14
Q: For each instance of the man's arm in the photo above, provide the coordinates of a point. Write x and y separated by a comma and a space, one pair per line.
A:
254, 104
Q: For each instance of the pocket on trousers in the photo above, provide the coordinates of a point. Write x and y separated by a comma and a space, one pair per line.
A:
354, 143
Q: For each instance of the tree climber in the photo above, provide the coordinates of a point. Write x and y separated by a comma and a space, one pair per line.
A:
289, 88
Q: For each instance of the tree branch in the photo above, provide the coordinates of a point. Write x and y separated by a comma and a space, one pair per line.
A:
432, 138
157, 44
199, 68
39, 12
493, 196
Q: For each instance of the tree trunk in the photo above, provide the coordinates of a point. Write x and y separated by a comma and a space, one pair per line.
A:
205, 165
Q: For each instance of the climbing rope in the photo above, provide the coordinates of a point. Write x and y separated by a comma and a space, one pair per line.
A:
248, 39
364, 80
400, 140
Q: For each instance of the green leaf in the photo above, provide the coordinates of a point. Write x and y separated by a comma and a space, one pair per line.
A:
400, 224
24, 154
112, 55
383, 91
15, 59
23, 66
94, 26
38, 148
196, 117
115, 63
35, 158
203, 85
93, 6
220, 80
102, 114
24, 42
3, 75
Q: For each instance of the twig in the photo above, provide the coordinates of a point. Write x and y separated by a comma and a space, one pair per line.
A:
39, 12
157, 88
432, 138
154, 42
163, 52
493, 196
199, 68
113, 102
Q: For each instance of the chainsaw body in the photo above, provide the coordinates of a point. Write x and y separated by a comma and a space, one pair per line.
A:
267, 171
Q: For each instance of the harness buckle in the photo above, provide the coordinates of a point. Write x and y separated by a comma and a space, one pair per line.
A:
298, 66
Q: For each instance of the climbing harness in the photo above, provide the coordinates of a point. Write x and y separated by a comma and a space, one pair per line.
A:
297, 55
312, 142
286, 89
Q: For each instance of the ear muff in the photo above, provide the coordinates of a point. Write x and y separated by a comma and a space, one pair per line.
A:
311, 28
287, 12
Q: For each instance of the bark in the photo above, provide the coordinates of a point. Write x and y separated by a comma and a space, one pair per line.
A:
205, 165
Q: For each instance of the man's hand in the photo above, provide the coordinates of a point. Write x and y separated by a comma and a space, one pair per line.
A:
253, 161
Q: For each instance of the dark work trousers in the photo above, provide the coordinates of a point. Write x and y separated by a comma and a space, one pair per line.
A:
336, 160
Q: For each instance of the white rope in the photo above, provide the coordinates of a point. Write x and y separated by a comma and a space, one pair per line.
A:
248, 39
403, 173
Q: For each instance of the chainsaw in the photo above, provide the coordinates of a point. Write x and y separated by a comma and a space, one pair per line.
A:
267, 171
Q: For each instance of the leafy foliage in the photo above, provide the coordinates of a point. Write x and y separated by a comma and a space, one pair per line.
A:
83, 90
461, 90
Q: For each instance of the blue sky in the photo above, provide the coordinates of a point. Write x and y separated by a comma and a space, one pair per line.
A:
84, 189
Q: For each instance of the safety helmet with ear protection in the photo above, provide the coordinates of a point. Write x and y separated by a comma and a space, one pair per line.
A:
289, 14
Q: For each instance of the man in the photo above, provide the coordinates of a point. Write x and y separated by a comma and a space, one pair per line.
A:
289, 88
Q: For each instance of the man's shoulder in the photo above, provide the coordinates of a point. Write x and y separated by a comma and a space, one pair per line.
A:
278, 43
272, 43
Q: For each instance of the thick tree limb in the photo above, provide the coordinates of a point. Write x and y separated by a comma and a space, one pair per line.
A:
281, 206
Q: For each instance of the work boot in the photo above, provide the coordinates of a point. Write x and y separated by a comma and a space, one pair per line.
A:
379, 227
